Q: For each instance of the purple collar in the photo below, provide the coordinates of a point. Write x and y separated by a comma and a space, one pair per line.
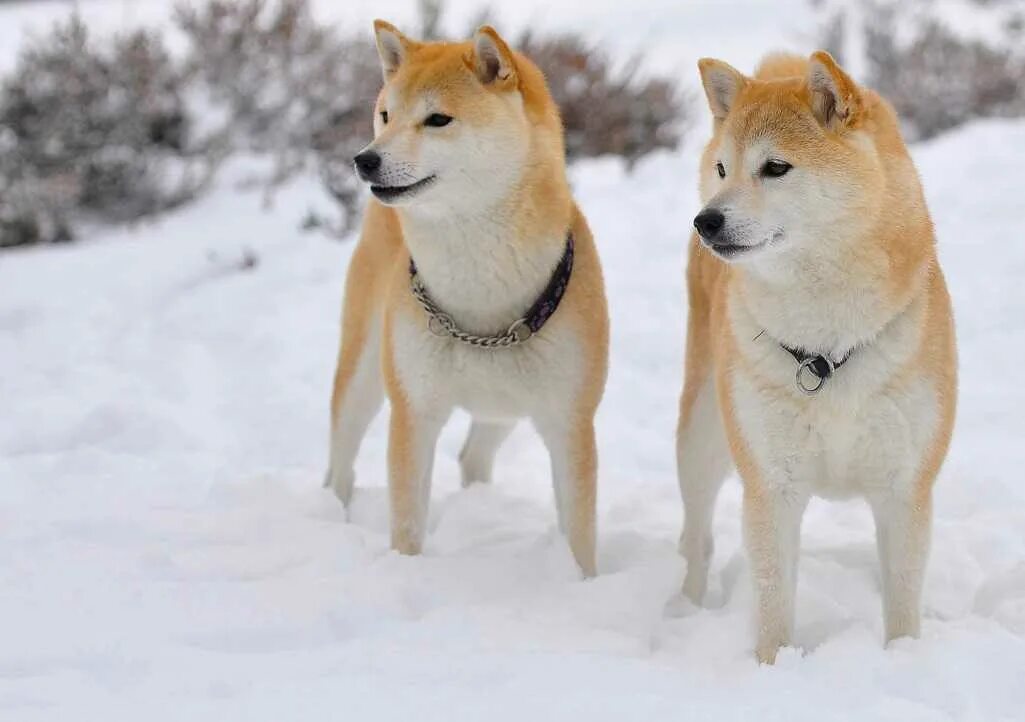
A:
442, 324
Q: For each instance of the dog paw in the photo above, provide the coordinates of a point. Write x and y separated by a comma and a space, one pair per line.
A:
341, 483
766, 653
775, 651
680, 606
781, 657
695, 584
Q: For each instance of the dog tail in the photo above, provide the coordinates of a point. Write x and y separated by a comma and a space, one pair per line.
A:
778, 66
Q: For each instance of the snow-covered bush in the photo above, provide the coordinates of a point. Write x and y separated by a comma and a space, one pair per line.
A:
940, 64
117, 130
939, 80
90, 129
278, 83
606, 111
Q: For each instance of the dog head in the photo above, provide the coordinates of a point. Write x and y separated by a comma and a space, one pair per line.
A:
452, 124
793, 166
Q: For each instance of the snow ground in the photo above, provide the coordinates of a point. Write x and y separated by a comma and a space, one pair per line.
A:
166, 551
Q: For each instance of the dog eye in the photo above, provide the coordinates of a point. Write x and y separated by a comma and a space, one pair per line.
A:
384, 117
721, 169
775, 168
437, 120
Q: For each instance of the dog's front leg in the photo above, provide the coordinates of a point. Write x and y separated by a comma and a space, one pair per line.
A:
903, 530
571, 446
411, 440
772, 533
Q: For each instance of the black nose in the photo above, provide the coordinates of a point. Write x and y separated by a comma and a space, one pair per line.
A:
367, 163
709, 222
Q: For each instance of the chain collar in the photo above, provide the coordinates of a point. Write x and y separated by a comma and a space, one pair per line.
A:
442, 324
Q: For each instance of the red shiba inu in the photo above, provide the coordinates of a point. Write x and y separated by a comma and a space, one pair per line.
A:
821, 355
475, 283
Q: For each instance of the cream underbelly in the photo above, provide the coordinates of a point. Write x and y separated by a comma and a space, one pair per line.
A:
837, 447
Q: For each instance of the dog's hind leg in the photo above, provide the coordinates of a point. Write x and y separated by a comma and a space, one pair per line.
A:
574, 456
703, 462
477, 458
702, 453
358, 385
358, 395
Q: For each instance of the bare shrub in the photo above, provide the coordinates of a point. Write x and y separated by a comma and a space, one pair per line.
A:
120, 130
833, 35
605, 111
94, 129
940, 81
937, 76
283, 85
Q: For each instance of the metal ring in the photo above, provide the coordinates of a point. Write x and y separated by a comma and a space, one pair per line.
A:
520, 331
807, 364
437, 325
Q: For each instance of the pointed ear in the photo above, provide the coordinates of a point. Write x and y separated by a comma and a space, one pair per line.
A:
492, 58
835, 98
392, 46
723, 84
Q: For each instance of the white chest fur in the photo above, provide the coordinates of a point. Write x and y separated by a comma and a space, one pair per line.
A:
485, 281
865, 433
539, 376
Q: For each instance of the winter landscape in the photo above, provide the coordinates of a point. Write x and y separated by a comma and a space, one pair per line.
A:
167, 551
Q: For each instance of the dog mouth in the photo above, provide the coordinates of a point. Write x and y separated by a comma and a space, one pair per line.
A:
390, 194
729, 251
733, 251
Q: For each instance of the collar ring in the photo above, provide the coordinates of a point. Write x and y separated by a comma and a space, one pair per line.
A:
808, 365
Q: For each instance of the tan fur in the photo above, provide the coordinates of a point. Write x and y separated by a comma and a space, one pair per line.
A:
538, 210
778, 66
370, 270
886, 253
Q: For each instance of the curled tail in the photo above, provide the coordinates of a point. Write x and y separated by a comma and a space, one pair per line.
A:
777, 66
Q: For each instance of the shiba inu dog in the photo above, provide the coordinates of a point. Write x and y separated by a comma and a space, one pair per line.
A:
475, 282
820, 350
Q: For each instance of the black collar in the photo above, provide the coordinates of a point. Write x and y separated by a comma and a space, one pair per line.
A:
442, 324
821, 366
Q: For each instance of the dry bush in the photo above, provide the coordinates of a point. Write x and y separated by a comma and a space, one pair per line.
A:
940, 81
119, 130
90, 129
606, 111
284, 86
936, 77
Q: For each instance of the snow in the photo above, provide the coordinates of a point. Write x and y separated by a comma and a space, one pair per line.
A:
167, 553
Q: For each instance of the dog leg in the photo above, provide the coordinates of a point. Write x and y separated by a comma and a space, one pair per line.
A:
574, 458
411, 442
358, 394
903, 531
772, 533
478, 455
702, 463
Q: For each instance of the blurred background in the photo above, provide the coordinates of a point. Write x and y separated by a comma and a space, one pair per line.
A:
112, 111
177, 213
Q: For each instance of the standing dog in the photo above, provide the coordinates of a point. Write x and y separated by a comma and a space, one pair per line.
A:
820, 348
475, 283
